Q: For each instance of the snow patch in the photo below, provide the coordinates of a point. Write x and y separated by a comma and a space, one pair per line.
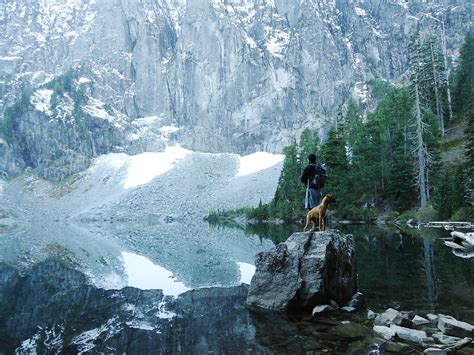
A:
41, 100
360, 12
277, 42
137, 324
83, 80
146, 166
166, 131
246, 272
258, 161
145, 121
145, 275
96, 108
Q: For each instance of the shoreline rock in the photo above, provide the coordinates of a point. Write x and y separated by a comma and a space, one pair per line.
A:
307, 270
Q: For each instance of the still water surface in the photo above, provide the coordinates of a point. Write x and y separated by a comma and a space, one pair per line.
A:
52, 307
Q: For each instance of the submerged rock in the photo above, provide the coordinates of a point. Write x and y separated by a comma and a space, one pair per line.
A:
307, 270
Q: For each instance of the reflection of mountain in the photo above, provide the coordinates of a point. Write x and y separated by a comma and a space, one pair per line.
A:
52, 308
91, 219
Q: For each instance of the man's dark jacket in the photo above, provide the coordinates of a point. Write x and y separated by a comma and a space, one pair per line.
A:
309, 172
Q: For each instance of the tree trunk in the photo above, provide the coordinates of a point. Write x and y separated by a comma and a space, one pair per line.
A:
446, 69
421, 151
439, 110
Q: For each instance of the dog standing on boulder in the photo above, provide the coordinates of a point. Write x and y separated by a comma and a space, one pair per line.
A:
318, 214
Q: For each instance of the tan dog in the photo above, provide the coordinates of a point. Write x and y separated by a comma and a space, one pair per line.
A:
318, 213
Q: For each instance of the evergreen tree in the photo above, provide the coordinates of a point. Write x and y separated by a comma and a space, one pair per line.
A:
309, 143
289, 196
464, 108
333, 154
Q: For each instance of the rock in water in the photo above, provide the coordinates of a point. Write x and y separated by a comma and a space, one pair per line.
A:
307, 270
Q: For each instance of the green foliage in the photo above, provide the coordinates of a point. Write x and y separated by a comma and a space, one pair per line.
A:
463, 214
108, 108
379, 88
65, 83
464, 88
426, 214
290, 192
372, 161
12, 113
464, 109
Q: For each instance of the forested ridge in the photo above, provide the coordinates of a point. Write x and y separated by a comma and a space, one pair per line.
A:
395, 159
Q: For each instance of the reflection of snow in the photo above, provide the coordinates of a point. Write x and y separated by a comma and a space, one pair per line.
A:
146, 166
246, 272
252, 163
143, 274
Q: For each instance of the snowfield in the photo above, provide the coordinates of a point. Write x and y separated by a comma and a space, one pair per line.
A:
138, 220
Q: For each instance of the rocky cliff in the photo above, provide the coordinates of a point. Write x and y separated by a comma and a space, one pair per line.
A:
229, 75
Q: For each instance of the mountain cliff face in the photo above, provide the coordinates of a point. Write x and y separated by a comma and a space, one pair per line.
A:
228, 75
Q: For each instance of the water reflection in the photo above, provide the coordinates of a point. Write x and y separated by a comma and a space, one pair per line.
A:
246, 272
52, 307
143, 274
430, 272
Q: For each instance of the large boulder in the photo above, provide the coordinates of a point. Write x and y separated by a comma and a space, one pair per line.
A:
307, 270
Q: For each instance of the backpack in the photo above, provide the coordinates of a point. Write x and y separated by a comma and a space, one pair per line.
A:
319, 178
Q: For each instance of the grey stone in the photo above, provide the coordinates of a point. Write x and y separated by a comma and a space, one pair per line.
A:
414, 336
385, 332
417, 321
307, 270
445, 339
433, 318
321, 309
348, 309
435, 351
388, 317
176, 69
451, 326
371, 315
333, 304
358, 300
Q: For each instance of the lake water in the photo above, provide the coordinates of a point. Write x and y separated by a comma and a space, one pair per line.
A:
52, 306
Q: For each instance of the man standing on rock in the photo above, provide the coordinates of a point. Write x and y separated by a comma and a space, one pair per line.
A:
313, 178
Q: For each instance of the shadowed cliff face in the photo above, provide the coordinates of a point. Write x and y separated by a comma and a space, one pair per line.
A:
233, 76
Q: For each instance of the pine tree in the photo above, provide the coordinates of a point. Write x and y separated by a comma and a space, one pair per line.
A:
418, 79
309, 143
464, 108
333, 155
289, 196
